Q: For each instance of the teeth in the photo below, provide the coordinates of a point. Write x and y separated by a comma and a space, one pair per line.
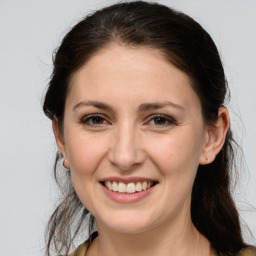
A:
114, 186
144, 185
109, 185
121, 187
138, 186
130, 188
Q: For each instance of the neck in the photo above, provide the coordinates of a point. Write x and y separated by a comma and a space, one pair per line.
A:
180, 239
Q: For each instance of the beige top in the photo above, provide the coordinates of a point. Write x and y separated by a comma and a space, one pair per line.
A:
244, 252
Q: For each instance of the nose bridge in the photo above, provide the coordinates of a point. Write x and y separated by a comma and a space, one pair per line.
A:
126, 149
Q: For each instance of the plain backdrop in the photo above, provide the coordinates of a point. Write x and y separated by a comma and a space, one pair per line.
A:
29, 33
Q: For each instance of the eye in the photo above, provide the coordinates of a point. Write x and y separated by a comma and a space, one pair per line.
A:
94, 120
160, 120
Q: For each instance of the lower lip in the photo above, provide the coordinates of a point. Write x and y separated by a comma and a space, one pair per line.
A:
126, 197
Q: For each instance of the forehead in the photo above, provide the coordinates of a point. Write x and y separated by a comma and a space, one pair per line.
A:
131, 74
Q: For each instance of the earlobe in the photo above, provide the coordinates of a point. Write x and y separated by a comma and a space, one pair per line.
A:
215, 137
60, 142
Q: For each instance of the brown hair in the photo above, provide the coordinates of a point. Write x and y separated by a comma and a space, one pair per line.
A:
190, 48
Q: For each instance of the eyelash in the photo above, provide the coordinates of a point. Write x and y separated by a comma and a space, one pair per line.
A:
88, 120
164, 118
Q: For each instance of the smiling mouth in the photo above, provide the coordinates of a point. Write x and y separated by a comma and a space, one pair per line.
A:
129, 188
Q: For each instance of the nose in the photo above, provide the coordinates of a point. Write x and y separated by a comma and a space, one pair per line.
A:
126, 151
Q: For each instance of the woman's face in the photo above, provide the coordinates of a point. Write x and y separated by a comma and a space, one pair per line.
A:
133, 123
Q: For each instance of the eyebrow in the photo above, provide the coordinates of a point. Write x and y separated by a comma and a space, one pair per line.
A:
142, 108
159, 105
96, 104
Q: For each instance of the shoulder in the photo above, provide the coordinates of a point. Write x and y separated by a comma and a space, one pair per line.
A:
80, 251
249, 251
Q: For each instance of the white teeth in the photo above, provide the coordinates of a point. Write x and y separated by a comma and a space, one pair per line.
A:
121, 187
114, 186
109, 185
144, 185
138, 186
130, 188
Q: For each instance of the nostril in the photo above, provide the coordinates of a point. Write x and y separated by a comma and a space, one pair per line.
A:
126, 160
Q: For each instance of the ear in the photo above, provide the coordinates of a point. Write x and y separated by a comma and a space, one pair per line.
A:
215, 137
60, 142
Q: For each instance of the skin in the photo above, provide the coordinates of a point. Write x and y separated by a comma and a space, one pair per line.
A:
128, 140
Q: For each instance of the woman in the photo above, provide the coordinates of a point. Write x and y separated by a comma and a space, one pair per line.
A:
136, 100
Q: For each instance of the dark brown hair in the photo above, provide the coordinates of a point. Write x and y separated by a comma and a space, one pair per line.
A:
190, 48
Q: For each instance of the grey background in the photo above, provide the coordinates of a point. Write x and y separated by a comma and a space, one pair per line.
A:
29, 32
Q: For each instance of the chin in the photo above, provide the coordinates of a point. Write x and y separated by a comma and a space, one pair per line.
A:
128, 223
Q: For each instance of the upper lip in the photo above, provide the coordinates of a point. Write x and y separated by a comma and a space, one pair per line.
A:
127, 180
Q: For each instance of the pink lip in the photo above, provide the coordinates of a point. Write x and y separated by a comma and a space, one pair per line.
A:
125, 197
127, 180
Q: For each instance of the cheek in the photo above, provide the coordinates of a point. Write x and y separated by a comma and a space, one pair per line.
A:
176, 157
85, 154
176, 150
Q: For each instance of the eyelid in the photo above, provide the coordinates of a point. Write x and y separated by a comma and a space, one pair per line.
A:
171, 120
84, 120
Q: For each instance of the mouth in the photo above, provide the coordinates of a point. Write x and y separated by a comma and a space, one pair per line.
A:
128, 188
